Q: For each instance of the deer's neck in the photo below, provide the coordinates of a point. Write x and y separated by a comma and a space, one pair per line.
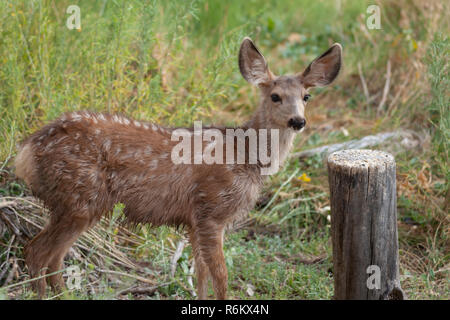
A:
260, 120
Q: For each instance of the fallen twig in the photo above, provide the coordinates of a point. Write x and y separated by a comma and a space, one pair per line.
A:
4, 204
364, 84
9, 223
386, 88
143, 290
142, 279
399, 92
176, 256
6, 263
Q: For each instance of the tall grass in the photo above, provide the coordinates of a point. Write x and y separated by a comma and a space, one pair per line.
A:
439, 106
164, 61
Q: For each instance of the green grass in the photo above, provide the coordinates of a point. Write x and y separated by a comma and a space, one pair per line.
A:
173, 62
438, 107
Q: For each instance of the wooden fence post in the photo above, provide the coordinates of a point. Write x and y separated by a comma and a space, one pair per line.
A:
364, 225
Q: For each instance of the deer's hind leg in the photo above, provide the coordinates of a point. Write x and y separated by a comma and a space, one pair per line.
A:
37, 255
66, 233
45, 253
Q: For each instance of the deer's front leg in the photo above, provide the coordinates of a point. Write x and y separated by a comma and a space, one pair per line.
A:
210, 242
201, 269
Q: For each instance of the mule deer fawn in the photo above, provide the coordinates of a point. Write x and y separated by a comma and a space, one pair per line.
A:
83, 163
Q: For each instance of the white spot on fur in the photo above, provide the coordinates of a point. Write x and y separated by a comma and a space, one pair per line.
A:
128, 155
164, 155
76, 117
148, 150
60, 139
223, 194
107, 144
93, 177
86, 115
153, 164
49, 146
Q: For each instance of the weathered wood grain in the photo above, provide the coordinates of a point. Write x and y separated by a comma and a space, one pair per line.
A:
364, 224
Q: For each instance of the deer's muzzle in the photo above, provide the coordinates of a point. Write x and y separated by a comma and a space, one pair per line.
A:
296, 123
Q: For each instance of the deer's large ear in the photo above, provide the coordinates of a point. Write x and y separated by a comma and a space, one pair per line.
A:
324, 69
252, 64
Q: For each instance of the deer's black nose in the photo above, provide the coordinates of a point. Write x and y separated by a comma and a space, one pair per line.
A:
296, 123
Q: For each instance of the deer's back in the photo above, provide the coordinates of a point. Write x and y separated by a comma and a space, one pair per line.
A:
83, 163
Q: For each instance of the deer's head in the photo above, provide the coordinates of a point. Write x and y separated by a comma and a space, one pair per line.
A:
284, 97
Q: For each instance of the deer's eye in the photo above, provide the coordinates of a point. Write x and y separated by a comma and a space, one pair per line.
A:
306, 97
275, 98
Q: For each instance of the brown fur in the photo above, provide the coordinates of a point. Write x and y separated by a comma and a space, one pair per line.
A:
83, 163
